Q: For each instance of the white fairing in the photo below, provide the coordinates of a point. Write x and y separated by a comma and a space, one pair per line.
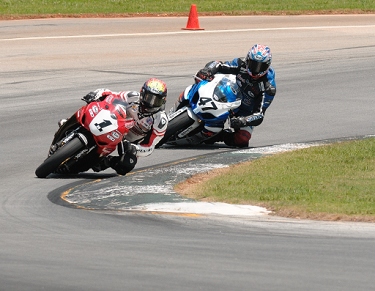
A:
207, 102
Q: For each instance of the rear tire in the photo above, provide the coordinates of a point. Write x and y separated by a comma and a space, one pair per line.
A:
63, 153
175, 126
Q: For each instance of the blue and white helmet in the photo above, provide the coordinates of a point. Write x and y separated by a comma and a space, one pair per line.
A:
258, 60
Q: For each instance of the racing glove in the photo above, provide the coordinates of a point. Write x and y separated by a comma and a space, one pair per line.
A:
203, 74
237, 122
208, 72
127, 147
88, 98
95, 95
213, 67
130, 148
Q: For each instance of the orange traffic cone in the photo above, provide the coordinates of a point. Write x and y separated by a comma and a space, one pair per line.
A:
193, 22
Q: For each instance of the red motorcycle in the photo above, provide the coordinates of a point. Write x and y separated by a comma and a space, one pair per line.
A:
94, 131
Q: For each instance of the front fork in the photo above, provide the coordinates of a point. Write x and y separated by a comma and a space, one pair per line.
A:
63, 130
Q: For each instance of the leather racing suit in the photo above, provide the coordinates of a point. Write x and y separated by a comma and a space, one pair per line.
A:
257, 96
147, 131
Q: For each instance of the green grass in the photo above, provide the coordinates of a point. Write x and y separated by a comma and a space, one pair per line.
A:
334, 181
14, 8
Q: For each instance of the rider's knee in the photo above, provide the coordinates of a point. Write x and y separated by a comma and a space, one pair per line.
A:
240, 138
124, 164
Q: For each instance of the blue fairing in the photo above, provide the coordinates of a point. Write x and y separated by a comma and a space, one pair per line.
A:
192, 92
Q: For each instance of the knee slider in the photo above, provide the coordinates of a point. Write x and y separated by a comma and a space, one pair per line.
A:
239, 138
242, 138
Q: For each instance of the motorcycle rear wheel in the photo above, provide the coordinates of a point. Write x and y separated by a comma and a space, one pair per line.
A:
63, 153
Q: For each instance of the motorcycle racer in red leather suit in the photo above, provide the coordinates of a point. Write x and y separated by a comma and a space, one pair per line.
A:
146, 108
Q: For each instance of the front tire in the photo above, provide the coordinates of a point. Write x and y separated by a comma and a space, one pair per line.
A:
63, 153
175, 126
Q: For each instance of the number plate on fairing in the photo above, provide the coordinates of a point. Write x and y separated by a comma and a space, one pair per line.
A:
103, 123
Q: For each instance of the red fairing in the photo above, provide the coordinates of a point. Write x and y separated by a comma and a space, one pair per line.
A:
107, 122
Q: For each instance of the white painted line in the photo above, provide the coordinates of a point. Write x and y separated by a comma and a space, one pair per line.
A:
204, 208
185, 32
276, 148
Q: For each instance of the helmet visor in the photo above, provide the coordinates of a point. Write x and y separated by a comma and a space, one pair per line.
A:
151, 102
255, 67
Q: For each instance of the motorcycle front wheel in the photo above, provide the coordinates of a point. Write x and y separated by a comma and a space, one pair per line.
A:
62, 154
175, 126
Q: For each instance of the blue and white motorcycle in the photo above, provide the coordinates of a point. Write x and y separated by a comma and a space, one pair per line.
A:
204, 105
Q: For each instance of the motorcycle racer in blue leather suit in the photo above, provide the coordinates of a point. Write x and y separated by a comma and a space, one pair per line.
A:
256, 79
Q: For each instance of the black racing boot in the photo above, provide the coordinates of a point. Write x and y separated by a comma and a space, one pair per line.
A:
216, 138
104, 164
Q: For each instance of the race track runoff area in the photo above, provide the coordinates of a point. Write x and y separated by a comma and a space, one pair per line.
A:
151, 189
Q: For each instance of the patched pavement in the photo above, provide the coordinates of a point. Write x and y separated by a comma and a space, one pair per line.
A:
151, 189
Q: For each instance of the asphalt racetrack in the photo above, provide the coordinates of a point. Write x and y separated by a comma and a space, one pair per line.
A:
325, 78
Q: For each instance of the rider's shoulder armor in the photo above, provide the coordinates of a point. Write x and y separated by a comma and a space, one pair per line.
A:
132, 96
160, 121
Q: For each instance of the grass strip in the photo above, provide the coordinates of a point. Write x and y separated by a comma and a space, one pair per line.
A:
332, 182
14, 8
